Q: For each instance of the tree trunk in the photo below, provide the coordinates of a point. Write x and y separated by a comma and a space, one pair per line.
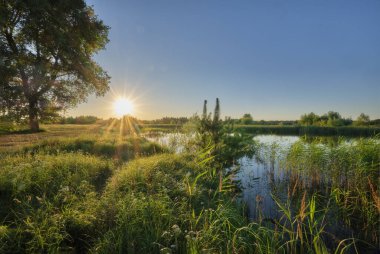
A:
33, 117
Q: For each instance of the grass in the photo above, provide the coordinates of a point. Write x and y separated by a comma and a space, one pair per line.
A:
16, 140
345, 176
122, 149
48, 201
111, 191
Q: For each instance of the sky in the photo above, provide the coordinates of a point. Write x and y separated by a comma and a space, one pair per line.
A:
274, 59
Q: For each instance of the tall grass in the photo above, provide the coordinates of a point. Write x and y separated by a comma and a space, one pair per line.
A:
344, 174
47, 202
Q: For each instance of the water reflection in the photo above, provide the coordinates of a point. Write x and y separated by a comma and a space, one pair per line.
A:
260, 177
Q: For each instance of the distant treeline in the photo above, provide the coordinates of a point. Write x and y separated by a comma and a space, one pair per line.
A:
297, 130
77, 120
167, 120
330, 119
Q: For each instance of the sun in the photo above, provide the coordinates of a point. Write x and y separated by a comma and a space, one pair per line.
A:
122, 106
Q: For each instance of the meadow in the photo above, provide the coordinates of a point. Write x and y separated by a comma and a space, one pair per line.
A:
106, 188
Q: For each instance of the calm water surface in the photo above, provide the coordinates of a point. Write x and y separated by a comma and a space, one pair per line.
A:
260, 177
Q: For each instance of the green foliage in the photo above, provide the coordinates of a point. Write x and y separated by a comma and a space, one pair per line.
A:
363, 119
47, 48
246, 119
333, 119
309, 119
78, 120
343, 131
228, 145
167, 120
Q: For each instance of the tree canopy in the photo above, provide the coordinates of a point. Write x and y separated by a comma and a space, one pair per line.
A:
331, 118
246, 119
46, 64
363, 119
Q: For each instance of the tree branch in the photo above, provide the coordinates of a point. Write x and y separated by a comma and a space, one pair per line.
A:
12, 45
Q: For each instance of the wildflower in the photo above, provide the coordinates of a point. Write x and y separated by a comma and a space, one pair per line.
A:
176, 230
165, 251
166, 234
39, 199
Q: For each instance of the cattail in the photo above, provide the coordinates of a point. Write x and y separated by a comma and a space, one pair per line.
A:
204, 115
217, 111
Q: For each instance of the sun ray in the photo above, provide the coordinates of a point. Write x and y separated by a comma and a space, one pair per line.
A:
109, 128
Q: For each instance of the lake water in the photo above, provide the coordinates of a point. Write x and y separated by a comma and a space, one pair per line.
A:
258, 176
261, 176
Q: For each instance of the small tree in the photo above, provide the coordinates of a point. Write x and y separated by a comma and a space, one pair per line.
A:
46, 50
363, 119
246, 119
309, 119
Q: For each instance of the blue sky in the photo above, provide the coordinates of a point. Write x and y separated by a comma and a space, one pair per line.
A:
273, 59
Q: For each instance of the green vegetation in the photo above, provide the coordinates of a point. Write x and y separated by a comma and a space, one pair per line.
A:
344, 131
77, 120
345, 176
334, 119
329, 119
48, 202
47, 48
88, 185
125, 149
246, 119
363, 119
112, 191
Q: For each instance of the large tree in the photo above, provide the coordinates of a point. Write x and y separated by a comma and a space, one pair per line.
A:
46, 50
